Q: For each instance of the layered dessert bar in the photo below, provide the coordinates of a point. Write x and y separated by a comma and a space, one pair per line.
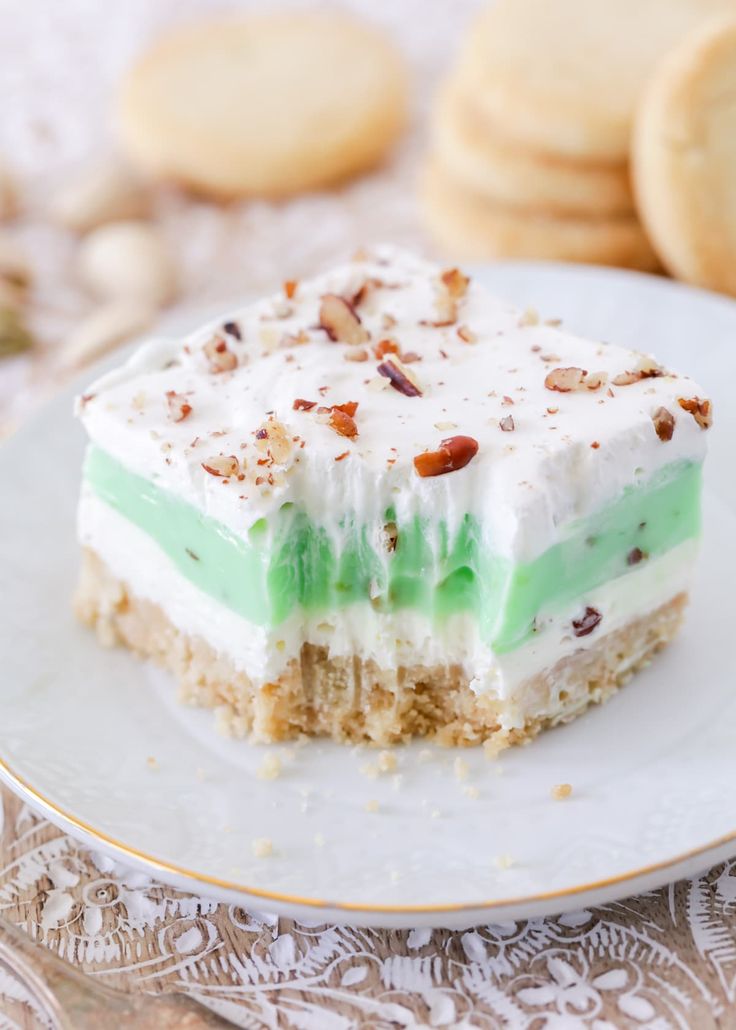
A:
383, 504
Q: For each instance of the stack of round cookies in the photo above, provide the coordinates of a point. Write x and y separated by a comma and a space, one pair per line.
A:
531, 131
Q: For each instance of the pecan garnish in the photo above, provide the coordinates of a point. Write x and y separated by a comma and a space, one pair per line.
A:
349, 407
453, 285
301, 405
455, 282
506, 425
627, 378
569, 380
390, 536
219, 356
341, 321
342, 422
587, 622
701, 410
387, 346
367, 287
233, 329
273, 440
595, 380
224, 465
635, 555
466, 335
179, 407
646, 369
664, 424
452, 454
400, 377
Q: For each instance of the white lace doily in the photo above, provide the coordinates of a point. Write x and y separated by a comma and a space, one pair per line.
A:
666, 959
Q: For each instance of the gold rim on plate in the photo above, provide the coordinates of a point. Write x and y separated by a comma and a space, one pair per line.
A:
26, 791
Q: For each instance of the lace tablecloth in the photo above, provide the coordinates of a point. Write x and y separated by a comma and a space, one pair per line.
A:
664, 959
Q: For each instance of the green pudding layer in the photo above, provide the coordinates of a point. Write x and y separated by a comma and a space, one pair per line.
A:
288, 563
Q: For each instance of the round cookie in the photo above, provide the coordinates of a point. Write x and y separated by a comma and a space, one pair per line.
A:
263, 104
475, 228
476, 154
564, 76
684, 158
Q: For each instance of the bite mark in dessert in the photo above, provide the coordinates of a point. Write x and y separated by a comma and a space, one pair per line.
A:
375, 551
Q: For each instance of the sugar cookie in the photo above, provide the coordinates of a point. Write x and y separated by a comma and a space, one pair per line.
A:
478, 155
264, 104
564, 76
474, 228
684, 158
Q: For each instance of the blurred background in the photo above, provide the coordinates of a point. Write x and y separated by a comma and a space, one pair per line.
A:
147, 168
60, 68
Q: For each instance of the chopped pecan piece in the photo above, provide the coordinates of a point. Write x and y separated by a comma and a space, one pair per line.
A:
635, 555
595, 380
645, 370
387, 346
455, 282
219, 356
341, 321
466, 335
565, 380
179, 407
233, 329
273, 440
225, 465
342, 422
664, 424
390, 536
701, 410
400, 377
349, 407
587, 622
301, 405
453, 285
363, 292
569, 380
506, 425
452, 454
626, 378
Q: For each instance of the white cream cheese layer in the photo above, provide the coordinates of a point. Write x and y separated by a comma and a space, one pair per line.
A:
544, 459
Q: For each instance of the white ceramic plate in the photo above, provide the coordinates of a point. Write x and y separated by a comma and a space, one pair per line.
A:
652, 771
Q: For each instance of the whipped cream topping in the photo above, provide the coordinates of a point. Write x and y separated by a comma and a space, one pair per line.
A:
324, 395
